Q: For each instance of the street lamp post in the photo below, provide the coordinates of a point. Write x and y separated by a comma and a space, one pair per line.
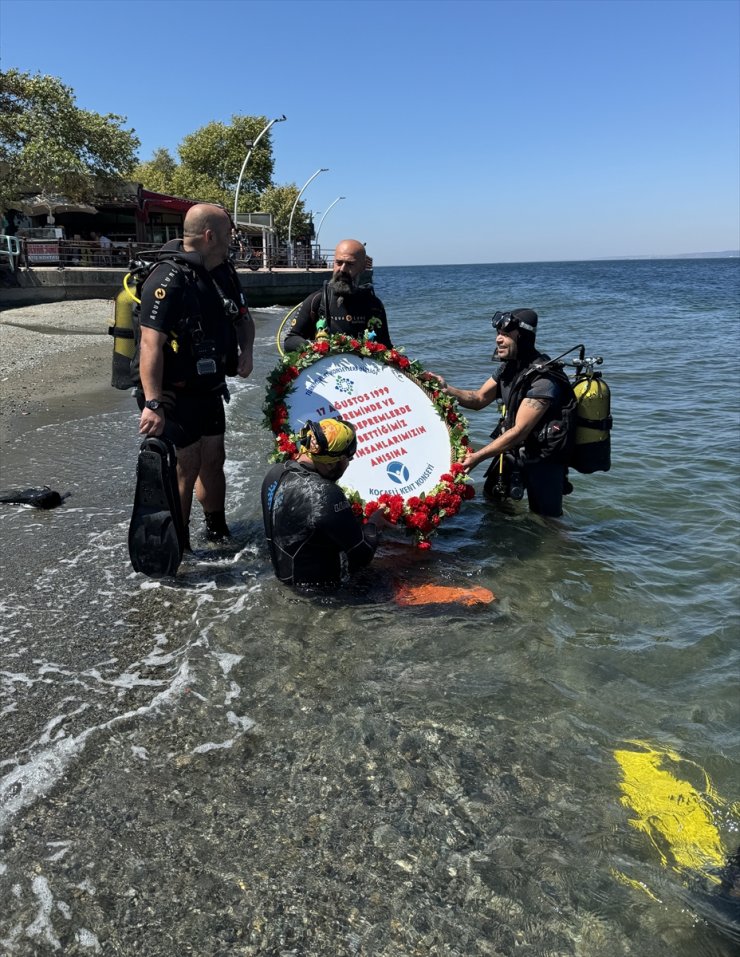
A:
324, 169
251, 144
321, 223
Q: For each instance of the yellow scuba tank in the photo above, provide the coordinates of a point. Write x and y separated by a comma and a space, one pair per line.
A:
122, 331
592, 450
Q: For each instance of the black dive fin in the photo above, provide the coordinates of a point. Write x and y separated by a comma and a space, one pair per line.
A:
156, 535
37, 497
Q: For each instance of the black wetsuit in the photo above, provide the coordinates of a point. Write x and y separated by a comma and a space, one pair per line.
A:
543, 475
187, 305
313, 536
348, 314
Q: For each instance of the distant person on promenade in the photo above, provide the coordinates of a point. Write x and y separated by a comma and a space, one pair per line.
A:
195, 330
105, 250
93, 249
314, 538
526, 447
343, 305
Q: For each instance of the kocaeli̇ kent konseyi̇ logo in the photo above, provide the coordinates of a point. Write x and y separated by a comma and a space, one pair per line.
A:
397, 472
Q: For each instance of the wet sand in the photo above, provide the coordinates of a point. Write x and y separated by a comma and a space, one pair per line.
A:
55, 363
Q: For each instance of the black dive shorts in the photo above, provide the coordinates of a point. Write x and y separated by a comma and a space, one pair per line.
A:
189, 418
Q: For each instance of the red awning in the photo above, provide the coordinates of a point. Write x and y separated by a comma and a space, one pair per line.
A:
173, 203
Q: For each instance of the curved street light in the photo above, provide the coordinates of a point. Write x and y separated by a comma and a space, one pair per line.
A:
324, 169
252, 145
321, 223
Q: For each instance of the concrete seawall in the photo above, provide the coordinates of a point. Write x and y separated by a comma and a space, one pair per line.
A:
277, 287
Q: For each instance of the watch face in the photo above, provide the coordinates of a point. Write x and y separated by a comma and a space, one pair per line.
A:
153, 404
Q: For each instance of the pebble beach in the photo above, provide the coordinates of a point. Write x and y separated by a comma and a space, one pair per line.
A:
53, 358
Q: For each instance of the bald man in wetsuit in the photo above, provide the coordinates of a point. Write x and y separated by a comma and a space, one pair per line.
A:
344, 304
182, 391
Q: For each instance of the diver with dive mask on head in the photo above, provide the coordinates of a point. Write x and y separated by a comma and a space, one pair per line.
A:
530, 445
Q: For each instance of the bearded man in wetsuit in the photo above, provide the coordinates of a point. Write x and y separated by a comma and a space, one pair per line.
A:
343, 304
314, 538
195, 330
532, 405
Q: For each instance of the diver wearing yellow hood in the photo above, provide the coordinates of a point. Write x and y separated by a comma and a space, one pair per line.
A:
314, 537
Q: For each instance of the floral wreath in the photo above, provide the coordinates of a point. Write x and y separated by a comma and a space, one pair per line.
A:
420, 514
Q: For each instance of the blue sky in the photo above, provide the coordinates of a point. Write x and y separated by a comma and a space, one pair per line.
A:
458, 131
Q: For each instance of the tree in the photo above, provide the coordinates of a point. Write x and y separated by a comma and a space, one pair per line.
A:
158, 174
51, 146
211, 159
279, 200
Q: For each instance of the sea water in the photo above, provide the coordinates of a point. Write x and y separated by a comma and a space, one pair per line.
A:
213, 765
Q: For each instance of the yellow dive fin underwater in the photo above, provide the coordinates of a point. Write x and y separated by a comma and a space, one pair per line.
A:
673, 802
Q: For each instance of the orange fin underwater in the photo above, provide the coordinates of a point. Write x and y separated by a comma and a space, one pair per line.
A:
442, 595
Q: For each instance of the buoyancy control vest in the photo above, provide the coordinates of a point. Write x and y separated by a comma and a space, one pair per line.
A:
577, 435
553, 437
333, 309
195, 325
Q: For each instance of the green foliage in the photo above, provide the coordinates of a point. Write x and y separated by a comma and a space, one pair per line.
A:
158, 174
279, 200
211, 159
50, 145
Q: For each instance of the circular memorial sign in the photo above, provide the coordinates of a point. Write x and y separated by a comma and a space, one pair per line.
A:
410, 435
403, 446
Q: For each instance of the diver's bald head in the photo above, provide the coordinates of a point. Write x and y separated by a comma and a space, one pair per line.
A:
351, 249
349, 263
207, 230
205, 216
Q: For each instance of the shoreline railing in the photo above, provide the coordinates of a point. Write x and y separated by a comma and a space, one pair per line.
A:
86, 254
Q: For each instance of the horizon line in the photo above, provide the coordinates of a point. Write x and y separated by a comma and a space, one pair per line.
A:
725, 254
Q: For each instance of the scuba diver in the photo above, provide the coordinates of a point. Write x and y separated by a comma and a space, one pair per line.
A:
194, 329
314, 537
532, 443
343, 305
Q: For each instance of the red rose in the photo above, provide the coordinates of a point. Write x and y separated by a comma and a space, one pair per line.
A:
285, 445
424, 545
321, 346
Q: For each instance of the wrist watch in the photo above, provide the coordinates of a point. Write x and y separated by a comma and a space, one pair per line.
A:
153, 404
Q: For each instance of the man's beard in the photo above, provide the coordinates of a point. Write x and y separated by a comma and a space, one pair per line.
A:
342, 285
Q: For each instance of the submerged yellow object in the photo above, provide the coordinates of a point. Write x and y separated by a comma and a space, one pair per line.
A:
676, 815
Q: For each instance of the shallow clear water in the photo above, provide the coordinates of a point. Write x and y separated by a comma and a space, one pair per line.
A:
215, 766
